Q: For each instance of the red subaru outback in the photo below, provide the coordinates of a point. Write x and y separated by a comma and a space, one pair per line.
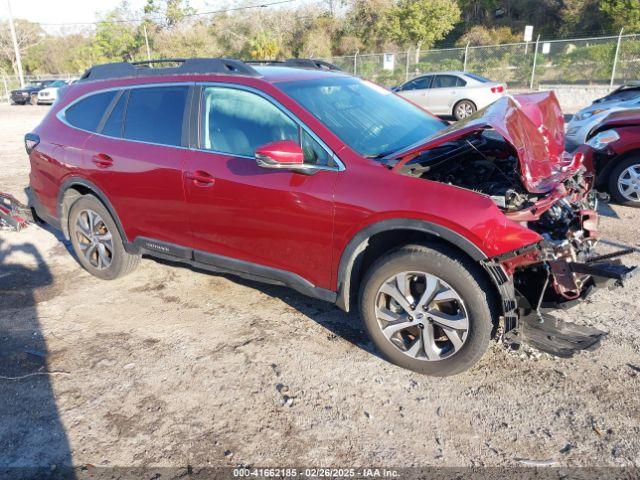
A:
335, 187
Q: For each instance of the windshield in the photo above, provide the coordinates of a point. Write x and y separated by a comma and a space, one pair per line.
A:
58, 83
370, 119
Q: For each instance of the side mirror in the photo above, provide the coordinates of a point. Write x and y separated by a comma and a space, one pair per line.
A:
281, 155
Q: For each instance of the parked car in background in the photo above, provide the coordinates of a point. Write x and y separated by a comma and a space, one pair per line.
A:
616, 141
452, 93
29, 94
48, 95
586, 120
335, 187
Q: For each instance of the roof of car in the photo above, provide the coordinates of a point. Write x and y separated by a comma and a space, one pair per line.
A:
271, 71
276, 74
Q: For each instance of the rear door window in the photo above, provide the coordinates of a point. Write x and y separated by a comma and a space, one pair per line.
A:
87, 113
155, 115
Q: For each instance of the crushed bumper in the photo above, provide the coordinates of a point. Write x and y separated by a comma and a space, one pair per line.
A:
14, 215
539, 278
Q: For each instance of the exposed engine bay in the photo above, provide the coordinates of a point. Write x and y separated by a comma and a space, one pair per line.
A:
483, 162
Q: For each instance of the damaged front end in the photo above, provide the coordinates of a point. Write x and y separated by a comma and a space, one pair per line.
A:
514, 153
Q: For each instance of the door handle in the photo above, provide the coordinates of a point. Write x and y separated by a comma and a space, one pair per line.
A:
102, 160
200, 178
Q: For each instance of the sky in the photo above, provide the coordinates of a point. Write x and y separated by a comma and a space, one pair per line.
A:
75, 11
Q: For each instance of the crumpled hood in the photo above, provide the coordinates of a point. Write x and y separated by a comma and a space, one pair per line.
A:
532, 123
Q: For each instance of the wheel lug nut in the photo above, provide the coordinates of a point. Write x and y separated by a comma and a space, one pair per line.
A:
421, 326
413, 307
411, 319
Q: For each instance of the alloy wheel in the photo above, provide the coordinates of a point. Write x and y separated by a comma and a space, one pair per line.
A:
464, 110
422, 316
629, 183
94, 239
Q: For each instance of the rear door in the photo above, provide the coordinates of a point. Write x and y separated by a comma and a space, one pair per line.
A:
135, 158
272, 218
417, 90
443, 92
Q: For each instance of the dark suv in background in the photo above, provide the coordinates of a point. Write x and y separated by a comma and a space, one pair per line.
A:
335, 187
29, 94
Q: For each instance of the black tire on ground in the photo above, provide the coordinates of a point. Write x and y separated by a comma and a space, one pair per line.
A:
459, 272
121, 262
614, 176
466, 106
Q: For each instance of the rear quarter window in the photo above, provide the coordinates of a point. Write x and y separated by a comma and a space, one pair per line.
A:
87, 113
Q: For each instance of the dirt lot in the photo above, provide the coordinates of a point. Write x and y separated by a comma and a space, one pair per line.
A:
169, 367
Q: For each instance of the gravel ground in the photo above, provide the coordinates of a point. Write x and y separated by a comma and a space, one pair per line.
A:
169, 367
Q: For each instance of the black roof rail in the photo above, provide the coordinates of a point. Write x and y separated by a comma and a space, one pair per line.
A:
185, 66
310, 63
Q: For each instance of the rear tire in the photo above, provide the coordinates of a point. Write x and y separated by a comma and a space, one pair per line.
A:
624, 182
96, 240
464, 109
460, 296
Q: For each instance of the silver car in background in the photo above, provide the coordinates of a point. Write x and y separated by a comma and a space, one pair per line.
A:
452, 93
623, 98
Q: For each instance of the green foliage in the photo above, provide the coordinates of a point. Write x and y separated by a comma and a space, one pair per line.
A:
114, 39
264, 47
421, 22
479, 35
623, 13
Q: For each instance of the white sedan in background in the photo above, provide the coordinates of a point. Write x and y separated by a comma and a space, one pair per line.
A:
452, 93
48, 95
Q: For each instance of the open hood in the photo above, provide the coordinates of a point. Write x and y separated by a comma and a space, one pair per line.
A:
532, 123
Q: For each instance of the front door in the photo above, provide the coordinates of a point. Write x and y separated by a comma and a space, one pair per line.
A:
271, 218
417, 90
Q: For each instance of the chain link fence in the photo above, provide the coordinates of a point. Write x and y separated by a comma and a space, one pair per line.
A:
585, 61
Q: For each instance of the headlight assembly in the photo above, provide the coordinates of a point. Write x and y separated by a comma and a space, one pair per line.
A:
602, 139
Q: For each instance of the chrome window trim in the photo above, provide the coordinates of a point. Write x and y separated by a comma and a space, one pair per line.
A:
60, 115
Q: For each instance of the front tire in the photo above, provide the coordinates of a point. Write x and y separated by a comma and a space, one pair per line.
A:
96, 240
624, 182
464, 109
427, 309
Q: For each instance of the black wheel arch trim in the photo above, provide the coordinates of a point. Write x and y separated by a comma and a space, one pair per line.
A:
350, 261
83, 182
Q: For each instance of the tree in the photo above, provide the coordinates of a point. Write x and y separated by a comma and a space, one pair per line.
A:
264, 47
366, 21
421, 22
28, 34
623, 13
115, 40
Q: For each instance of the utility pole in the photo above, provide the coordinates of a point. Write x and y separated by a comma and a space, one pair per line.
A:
535, 58
615, 58
15, 45
146, 40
